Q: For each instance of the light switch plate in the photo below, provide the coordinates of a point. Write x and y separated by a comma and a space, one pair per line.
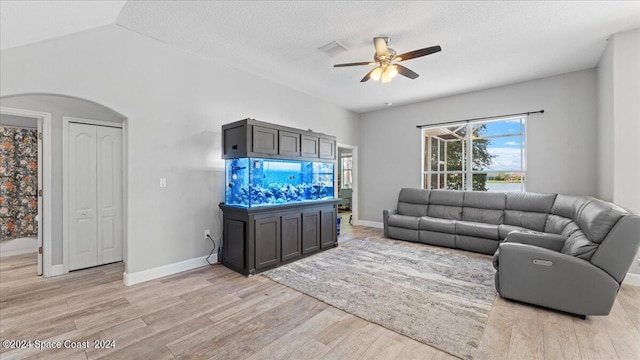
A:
163, 182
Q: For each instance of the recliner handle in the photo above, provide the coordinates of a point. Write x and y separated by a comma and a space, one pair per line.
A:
543, 262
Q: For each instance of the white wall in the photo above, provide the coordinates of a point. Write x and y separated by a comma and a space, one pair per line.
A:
19, 246
20, 121
619, 122
59, 106
175, 103
561, 143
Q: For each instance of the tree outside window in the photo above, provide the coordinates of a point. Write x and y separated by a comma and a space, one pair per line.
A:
480, 156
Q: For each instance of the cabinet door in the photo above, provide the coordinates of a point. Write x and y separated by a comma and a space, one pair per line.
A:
291, 237
234, 141
310, 231
289, 143
267, 236
234, 243
327, 227
265, 140
327, 148
309, 146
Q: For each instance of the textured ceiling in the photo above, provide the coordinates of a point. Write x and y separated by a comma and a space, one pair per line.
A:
484, 43
26, 22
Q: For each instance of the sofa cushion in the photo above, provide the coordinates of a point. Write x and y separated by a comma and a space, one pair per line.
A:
414, 196
445, 212
578, 245
555, 224
487, 231
484, 200
403, 221
596, 218
528, 220
409, 209
483, 215
413, 202
445, 204
564, 205
438, 225
532, 202
504, 230
446, 197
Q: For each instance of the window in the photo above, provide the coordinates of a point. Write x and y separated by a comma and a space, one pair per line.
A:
481, 156
347, 166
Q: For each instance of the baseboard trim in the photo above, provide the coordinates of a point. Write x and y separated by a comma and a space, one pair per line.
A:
374, 224
165, 270
14, 252
57, 270
632, 279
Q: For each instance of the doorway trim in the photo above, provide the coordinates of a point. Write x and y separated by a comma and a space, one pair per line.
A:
65, 184
45, 225
354, 175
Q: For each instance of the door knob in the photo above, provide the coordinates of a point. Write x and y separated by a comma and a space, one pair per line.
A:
84, 213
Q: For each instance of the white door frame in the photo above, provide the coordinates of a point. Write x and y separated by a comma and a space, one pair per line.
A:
354, 176
65, 183
44, 226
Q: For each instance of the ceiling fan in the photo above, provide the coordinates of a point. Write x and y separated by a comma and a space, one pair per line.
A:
386, 61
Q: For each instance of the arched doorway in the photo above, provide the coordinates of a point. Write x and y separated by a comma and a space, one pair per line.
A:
59, 107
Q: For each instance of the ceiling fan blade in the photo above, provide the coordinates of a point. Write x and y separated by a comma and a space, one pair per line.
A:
418, 53
406, 72
381, 46
368, 76
353, 64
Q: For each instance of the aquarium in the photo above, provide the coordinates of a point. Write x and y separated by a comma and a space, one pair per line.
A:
255, 182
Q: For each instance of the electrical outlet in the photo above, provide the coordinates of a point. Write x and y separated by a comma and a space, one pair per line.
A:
207, 233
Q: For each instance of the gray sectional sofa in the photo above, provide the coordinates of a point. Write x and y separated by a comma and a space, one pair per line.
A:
568, 253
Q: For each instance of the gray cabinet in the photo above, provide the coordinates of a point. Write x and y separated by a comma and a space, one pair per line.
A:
289, 143
234, 251
291, 236
327, 228
310, 231
309, 145
267, 242
256, 240
253, 138
327, 148
265, 140
234, 141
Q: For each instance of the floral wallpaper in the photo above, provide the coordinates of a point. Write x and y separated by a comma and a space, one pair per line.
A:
18, 183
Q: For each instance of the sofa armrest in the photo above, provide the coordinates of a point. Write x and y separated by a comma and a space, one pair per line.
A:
545, 240
548, 278
385, 220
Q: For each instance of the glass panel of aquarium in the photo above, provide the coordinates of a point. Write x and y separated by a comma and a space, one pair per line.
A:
237, 175
254, 182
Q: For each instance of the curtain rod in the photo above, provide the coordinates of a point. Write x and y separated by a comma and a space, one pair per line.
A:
482, 118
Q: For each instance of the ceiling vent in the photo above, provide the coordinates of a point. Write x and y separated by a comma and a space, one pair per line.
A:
333, 48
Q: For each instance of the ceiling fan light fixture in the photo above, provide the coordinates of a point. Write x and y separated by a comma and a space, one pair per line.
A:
385, 76
376, 74
391, 71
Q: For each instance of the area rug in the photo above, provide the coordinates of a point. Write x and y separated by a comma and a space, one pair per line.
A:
438, 296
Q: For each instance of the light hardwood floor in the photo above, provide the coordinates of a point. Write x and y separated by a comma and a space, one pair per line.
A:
215, 313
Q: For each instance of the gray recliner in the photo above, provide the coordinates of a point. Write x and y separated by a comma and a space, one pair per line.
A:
580, 268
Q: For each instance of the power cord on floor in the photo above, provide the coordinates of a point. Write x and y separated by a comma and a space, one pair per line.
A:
212, 250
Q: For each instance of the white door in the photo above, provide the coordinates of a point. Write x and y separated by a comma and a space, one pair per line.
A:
83, 242
109, 192
95, 195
